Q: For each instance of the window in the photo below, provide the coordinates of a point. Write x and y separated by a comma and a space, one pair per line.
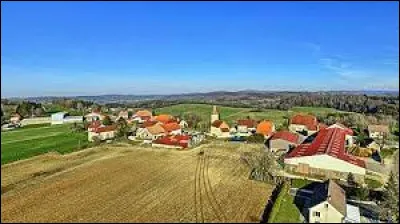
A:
318, 214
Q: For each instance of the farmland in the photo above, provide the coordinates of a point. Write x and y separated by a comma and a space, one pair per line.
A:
230, 114
31, 141
113, 183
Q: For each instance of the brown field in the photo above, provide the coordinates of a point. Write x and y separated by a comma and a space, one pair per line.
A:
134, 184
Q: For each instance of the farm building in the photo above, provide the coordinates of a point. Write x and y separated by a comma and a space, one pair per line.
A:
265, 128
62, 118
35, 120
173, 141
378, 131
325, 157
328, 205
348, 133
283, 140
102, 132
303, 123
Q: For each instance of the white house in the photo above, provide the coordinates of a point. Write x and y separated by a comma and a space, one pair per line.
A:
303, 122
151, 132
378, 131
102, 132
348, 133
283, 140
328, 205
93, 116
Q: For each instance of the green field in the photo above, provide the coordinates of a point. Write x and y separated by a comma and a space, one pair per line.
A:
230, 114
31, 141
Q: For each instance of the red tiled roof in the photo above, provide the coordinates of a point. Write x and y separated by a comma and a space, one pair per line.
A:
307, 120
148, 123
171, 126
286, 135
95, 124
348, 131
265, 127
105, 128
328, 141
177, 140
248, 123
164, 118
217, 123
143, 113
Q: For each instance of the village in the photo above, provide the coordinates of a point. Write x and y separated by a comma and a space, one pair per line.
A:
307, 150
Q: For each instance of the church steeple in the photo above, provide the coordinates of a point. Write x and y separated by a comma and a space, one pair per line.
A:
215, 114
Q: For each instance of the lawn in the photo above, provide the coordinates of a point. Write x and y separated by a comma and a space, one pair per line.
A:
300, 183
27, 142
230, 114
285, 209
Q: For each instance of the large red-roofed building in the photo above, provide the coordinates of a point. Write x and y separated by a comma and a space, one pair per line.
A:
325, 156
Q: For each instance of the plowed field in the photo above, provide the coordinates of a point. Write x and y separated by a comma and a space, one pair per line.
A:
133, 184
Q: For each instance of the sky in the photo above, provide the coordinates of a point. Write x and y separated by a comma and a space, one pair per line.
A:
95, 48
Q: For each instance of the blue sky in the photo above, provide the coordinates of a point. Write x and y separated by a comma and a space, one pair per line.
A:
91, 48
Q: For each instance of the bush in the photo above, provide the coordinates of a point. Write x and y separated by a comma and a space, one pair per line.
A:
373, 184
256, 138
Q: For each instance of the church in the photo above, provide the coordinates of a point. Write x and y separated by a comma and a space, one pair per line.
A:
219, 128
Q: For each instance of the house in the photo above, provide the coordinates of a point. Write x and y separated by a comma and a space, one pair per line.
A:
16, 118
303, 123
172, 128
348, 133
124, 114
173, 141
152, 132
93, 116
325, 157
164, 118
62, 118
378, 131
283, 140
142, 116
265, 128
183, 124
328, 205
246, 126
219, 129
102, 132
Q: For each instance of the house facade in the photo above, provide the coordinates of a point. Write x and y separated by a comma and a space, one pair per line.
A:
303, 123
102, 132
378, 131
328, 205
